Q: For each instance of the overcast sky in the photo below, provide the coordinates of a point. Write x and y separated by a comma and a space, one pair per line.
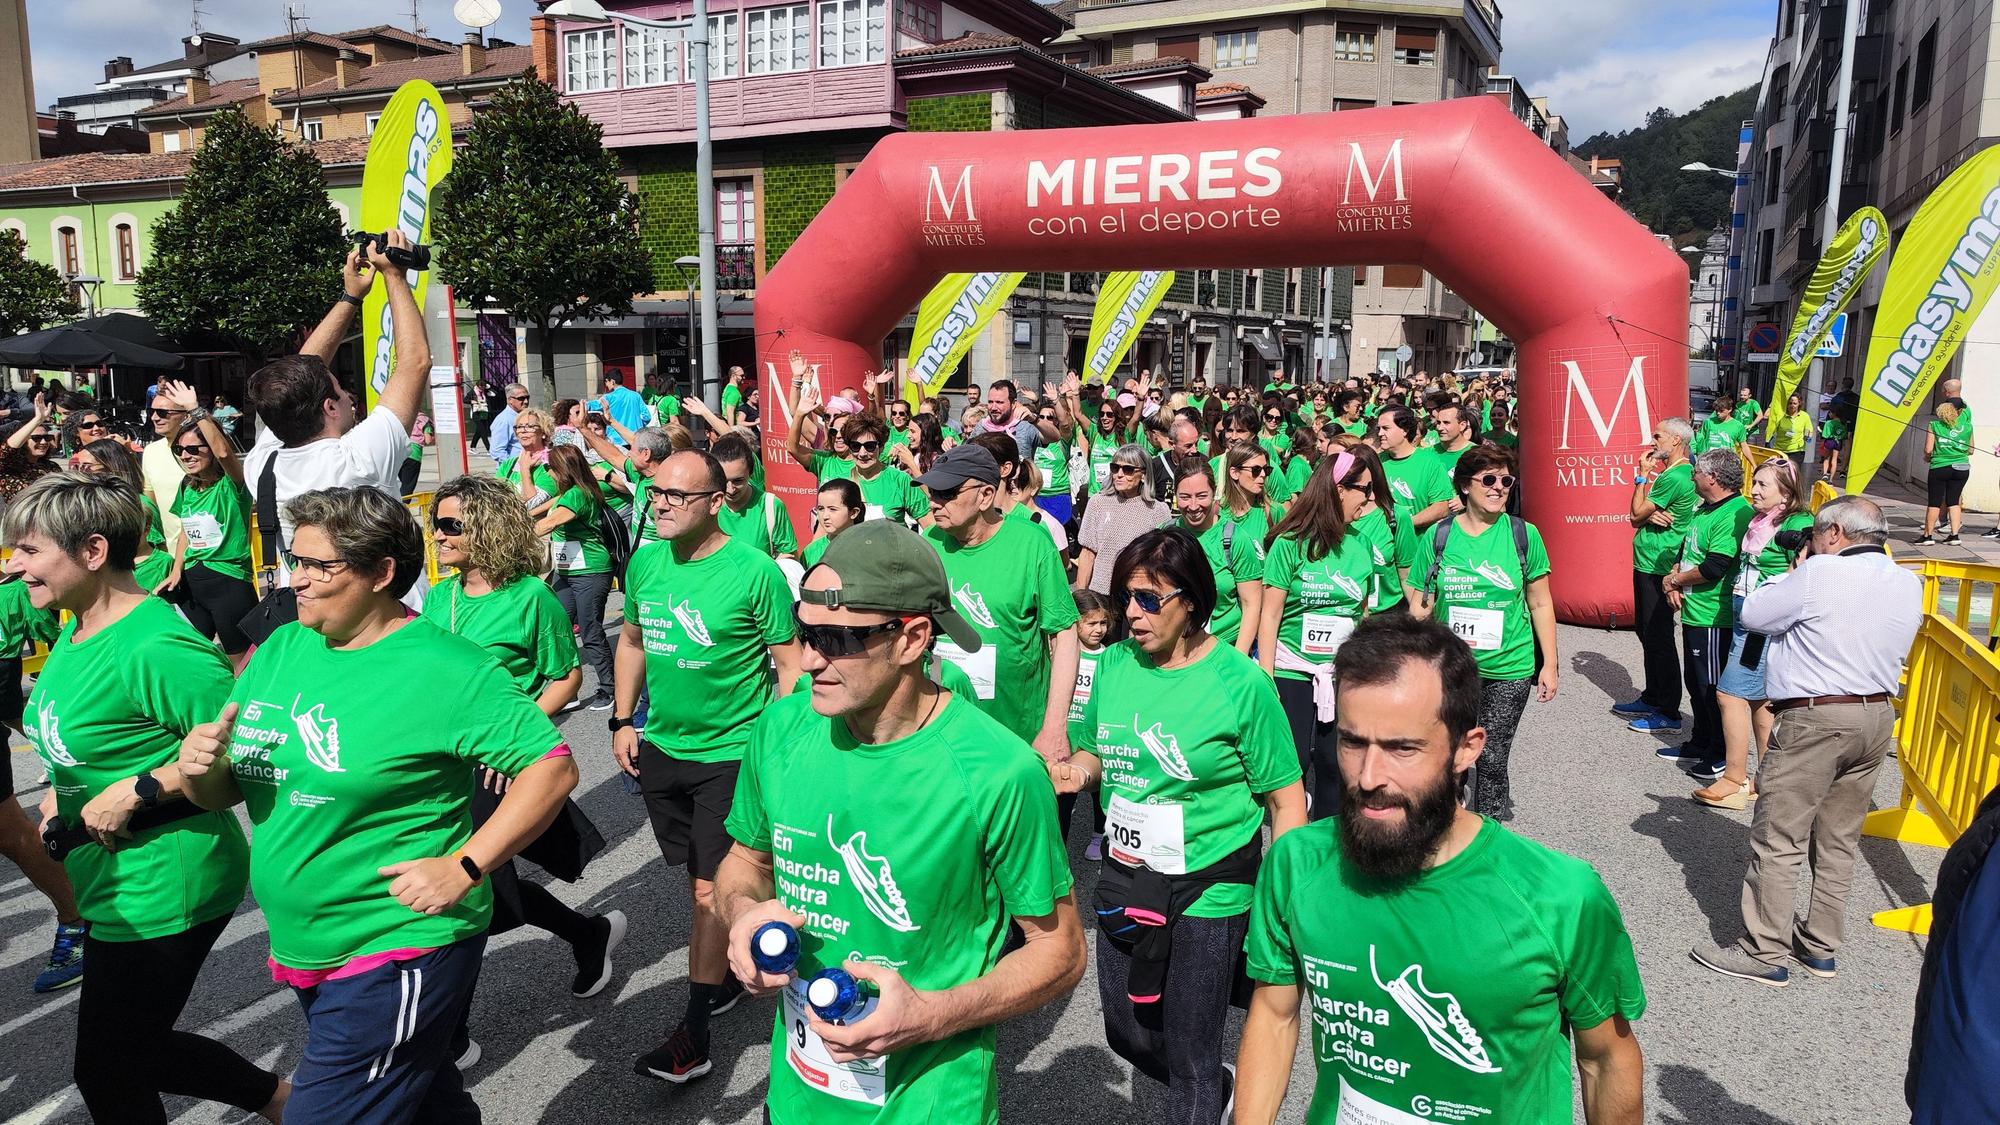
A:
1602, 63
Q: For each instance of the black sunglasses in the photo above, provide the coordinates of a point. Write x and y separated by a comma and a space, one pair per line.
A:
1118, 468
944, 495
183, 450
450, 525
1146, 600
835, 641
1258, 470
865, 446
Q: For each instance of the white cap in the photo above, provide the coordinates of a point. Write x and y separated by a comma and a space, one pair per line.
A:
771, 942
822, 992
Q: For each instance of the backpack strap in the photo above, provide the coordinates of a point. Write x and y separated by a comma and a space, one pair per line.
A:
267, 508
1440, 535
1520, 527
1228, 536
770, 518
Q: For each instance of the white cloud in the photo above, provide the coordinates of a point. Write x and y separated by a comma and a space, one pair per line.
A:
1614, 91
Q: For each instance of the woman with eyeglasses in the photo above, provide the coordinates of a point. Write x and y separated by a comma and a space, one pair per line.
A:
1235, 556
156, 877
84, 426
1275, 437
528, 471
29, 452
371, 877
1051, 460
154, 563
1486, 575
1317, 579
210, 579
575, 524
1187, 746
1116, 517
1100, 441
1370, 510
497, 601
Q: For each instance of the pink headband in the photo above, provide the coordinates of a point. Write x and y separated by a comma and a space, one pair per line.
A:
1342, 465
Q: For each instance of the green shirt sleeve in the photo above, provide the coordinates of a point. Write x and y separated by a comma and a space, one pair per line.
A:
181, 681
575, 500
1538, 555
555, 642
1271, 957
1023, 847
919, 503
1270, 759
1281, 563
749, 823
1600, 973
771, 601
1245, 561
1437, 483
1055, 606
506, 731
784, 540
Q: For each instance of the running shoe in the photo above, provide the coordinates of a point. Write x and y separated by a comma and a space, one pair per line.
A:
468, 1055
65, 965
1991, 532
602, 701
1095, 849
1953, 540
725, 996
1653, 723
1706, 769
1682, 752
575, 704
593, 961
1635, 709
678, 1060
1927, 541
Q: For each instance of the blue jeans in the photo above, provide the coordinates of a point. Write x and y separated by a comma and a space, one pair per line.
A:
379, 1045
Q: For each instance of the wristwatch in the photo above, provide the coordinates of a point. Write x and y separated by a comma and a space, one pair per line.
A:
147, 788
349, 299
472, 870
617, 724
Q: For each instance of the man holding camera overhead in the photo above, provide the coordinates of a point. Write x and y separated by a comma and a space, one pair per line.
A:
311, 437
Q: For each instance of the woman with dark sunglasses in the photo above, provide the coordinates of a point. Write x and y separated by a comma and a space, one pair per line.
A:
210, 578
1186, 743
29, 452
1371, 511
1486, 574
1245, 471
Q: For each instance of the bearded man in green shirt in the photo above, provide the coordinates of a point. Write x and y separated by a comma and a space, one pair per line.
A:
1364, 913
913, 898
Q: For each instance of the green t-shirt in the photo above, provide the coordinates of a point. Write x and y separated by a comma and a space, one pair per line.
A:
1052, 461
381, 773
1186, 752
545, 481
216, 522
1953, 449
1086, 676
116, 705
1715, 529
1101, 452
1719, 431
1746, 412
1417, 481
579, 544
1505, 438
1394, 547
1455, 988
1655, 548
815, 551
1771, 560
156, 535
648, 530
1013, 590
1833, 429
1357, 428
1483, 596
889, 494
1325, 598
762, 524
21, 623
1242, 562
1274, 444
732, 397
707, 625
1788, 432
926, 886
152, 570
1288, 478
521, 625
1448, 461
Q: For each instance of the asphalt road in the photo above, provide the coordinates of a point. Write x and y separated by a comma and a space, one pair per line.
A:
1717, 1051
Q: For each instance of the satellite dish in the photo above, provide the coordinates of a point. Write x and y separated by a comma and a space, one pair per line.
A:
476, 13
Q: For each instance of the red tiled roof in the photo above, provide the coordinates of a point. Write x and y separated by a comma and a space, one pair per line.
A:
391, 31
441, 70
1222, 90
970, 41
1142, 66
313, 38
131, 167
221, 95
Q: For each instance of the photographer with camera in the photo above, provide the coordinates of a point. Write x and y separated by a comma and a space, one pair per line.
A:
311, 437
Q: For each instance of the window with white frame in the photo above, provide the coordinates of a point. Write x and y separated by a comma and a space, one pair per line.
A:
852, 32
725, 47
310, 131
652, 55
588, 58
1354, 42
126, 244
922, 19
736, 211
369, 122
170, 142
1236, 48
777, 40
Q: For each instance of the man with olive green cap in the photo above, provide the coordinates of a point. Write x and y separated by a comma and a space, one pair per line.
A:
913, 897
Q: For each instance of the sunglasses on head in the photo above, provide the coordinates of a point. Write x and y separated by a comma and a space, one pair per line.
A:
450, 525
1147, 600
836, 641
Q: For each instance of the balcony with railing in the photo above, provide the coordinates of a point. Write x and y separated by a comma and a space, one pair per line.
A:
736, 265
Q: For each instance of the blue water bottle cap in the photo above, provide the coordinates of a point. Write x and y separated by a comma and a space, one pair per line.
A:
835, 996
774, 948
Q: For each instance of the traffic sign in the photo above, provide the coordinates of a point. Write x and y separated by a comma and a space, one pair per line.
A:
1763, 337
1404, 353
1836, 339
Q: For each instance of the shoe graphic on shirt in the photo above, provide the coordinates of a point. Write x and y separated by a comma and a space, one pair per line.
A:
974, 606
1492, 573
1438, 1016
871, 876
51, 740
1165, 749
691, 622
321, 736
1349, 586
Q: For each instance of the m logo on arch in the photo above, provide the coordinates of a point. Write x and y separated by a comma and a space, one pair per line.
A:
1576, 388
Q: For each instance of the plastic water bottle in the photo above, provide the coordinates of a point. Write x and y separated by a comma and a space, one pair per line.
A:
774, 948
836, 996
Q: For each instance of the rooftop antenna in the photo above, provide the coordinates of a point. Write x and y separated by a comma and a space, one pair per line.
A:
417, 18
195, 16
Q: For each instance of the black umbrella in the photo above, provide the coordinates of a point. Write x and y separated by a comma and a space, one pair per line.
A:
71, 347
126, 326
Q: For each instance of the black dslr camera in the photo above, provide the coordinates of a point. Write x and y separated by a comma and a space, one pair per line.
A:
415, 257
1793, 540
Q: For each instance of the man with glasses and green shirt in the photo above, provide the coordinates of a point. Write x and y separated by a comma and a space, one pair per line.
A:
706, 618
1007, 579
1663, 504
914, 898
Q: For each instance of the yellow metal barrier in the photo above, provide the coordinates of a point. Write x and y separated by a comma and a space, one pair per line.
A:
419, 504
1962, 592
1821, 493
1753, 457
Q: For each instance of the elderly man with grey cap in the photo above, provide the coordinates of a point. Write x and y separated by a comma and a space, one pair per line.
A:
1009, 583
913, 898
1840, 626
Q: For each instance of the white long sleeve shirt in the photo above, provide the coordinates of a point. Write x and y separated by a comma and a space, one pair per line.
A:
1839, 625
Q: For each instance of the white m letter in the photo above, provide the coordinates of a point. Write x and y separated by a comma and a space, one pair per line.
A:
1635, 380
948, 201
1358, 161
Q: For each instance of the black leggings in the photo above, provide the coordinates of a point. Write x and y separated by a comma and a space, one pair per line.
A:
1946, 485
1184, 1051
216, 603
1318, 745
127, 1051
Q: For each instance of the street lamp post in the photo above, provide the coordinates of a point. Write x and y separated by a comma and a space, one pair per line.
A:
681, 264
704, 162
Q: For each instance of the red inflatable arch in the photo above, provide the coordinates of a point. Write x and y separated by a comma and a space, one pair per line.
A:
1597, 305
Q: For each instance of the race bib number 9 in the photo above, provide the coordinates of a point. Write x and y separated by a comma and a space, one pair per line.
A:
865, 1080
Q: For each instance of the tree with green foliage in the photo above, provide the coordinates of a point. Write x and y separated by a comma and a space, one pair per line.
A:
534, 220
1684, 205
32, 294
250, 255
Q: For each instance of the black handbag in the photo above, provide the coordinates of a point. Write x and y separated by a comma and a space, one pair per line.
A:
280, 606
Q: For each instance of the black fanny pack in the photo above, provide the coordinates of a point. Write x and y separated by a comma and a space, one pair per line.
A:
60, 837
1137, 908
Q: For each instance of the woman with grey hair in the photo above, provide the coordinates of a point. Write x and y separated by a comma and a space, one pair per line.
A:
156, 877
366, 863
1115, 517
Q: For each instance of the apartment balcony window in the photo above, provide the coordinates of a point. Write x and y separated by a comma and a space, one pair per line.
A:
736, 233
922, 19
652, 56
1236, 48
780, 40
725, 43
852, 32
1353, 42
588, 58
128, 251
1416, 48
735, 265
